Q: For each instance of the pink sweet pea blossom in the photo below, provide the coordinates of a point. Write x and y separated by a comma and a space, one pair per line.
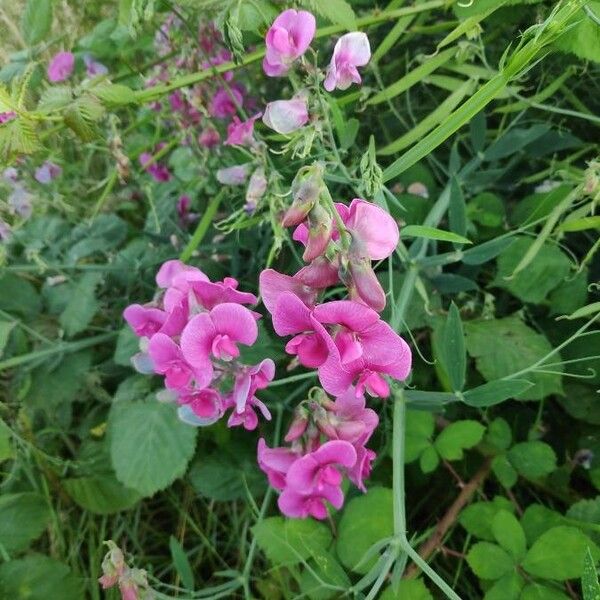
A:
209, 137
171, 270
286, 116
158, 172
46, 172
275, 463
241, 133
216, 334
201, 407
226, 102
351, 50
61, 66
272, 284
314, 479
144, 321
288, 38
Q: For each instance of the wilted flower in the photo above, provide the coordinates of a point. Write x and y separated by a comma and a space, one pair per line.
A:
61, 66
287, 39
235, 175
285, 116
351, 50
20, 201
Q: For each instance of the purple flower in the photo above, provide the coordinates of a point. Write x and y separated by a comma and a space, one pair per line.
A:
241, 133
61, 66
351, 50
20, 201
288, 38
286, 116
225, 102
93, 67
158, 172
5, 117
209, 137
47, 172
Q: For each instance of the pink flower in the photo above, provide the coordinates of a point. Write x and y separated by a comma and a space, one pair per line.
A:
158, 172
288, 38
241, 133
314, 479
168, 360
286, 116
172, 272
226, 102
216, 334
5, 117
361, 350
93, 67
257, 186
209, 137
201, 407
351, 50
275, 463
61, 66
145, 321
47, 172
235, 175
272, 284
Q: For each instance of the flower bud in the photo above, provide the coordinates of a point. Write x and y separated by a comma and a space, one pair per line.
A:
306, 189
297, 427
235, 175
256, 189
320, 228
366, 284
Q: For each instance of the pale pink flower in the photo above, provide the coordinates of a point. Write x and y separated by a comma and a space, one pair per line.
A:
172, 272
241, 133
61, 66
288, 38
351, 50
235, 175
46, 172
286, 116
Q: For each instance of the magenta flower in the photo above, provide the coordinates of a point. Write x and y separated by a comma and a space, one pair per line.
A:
351, 50
47, 172
5, 117
216, 334
241, 133
225, 102
61, 66
144, 321
362, 349
209, 137
286, 116
275, 463
314, 479
158, 172
201, 407
288, 38
167, 359
172, 272
272, 284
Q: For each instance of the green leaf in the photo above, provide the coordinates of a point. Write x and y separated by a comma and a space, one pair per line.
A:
537, 591
504, 471
422, 401
55, 98
6, 448
457, 210
128, 344
453, 349
489, 561
5, 328
580, 224
499, 434
337, 11
83, 305
114, 94
420, 426
482, 253
149, 446
365, 521
515, 347
532, 459
509, 534
327, 572
38, 577
23, 518
549, 269
494, 392
19, 296
508, 587
589, 578
290, 541
458, 436
101, 495
583, 39
429, 460
407, 589
431, 233
477, 518
538, 519
559, 554
182, 564
585, 311
36, 20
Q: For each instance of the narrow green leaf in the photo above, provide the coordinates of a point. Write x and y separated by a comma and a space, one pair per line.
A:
36, 20
413, 77
584, 311
457, 210
494, 392
455, 356
392, 37
589, 578
182, 564
432, 233
580, 224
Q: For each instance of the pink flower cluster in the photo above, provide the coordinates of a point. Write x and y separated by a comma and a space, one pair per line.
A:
328, 440
190, 335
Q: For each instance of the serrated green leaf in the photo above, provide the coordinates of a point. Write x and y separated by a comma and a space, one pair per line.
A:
101, 495
338, 12
429, 460
54, 98
458, 436
413, 589
149, 446
583, 39
532, 459
83, 305
477, 518
420, 426
537, 591
489, 561
499, 434
509, 534
504, 471
508, 587
114, 94
589, 578
36, 20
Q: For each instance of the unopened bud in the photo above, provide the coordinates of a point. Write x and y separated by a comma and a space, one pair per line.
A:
320, 228
366, 284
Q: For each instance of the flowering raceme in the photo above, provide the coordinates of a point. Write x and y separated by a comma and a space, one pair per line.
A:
190, 334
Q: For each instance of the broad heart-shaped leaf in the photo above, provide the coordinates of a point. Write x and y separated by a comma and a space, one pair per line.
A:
589, 578
365, 521
458, 436
549, 269
38, 577
23, 518
502, 347
537, 591
408, 589
509, 534
101, 495
149, 446
559, 554
36, 20
453, 349
477, 517
583, 39
532, 459
494, 392
290, 541
489, 561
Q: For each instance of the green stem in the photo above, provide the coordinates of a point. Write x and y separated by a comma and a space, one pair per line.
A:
202, 226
